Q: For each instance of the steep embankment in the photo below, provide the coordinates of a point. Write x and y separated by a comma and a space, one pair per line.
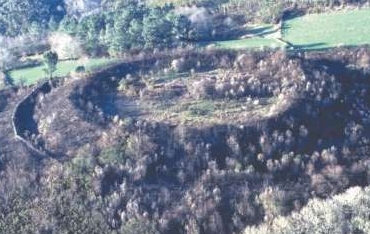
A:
82, 111
9, 145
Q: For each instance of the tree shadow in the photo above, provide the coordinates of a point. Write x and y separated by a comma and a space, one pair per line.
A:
236, 33
9, 80
3, 100
293, 13
262, 31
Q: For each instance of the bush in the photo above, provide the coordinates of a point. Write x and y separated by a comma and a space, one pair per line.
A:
202, 89
345, 213
134, 226
111, 156
80, 69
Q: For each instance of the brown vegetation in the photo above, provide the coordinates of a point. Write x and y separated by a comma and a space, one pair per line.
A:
120, 167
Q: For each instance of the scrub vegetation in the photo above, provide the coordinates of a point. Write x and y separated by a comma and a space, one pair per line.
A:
184, 117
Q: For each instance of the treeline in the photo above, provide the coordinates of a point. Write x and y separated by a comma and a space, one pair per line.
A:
118, 26
19, 17
129, 27
132, 25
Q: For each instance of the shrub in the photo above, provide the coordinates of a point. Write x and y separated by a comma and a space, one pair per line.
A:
202, 89
80, 69
134, 226
344, 213
111, 156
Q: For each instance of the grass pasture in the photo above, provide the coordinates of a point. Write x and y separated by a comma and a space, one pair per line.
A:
308, 32
249, 43
29, 76
327, 30
258, 37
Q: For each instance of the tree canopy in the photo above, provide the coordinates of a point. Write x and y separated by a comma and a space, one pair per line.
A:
50, 61
16, 16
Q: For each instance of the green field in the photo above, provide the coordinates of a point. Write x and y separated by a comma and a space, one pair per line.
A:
327, 30
309, 32
248, 43
260, 36
29, 76
312, 32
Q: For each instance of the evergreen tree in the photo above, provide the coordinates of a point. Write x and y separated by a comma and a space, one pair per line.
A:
50, 62
157, 30
69, 25
181, 27
119, 37
36, 30
136, 34
88, 31
53, 24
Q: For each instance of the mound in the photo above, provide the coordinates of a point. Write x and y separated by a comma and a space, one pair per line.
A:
255, 90
304, 131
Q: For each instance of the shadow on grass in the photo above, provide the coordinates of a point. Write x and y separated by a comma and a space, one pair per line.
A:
233, 34
293, 13
262, 31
